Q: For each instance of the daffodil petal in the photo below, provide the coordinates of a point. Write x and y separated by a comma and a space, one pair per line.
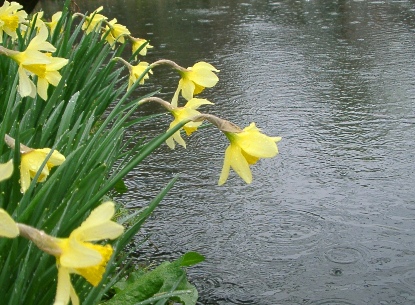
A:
204, 65
204, 78
63, 289
170, 143
239, 163
178, 138
258, 144
42, 88
26, 86
6, 170
8, 227
55, 159
76, 255
188, 87
98, 225
226, 167
195, 103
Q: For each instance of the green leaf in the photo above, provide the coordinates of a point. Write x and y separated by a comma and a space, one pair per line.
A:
120, 187
166, 282
190, 259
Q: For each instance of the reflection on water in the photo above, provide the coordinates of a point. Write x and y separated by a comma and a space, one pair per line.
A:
328, 221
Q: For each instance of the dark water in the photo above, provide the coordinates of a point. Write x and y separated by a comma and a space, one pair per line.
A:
331, 219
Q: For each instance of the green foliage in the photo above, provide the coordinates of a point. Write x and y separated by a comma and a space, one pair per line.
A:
85, 118
165, 282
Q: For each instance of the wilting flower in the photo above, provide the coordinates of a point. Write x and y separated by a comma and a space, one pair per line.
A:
54, 22
10, 18
8, 227
246, 148
186, 112
6, 170
116, 32
137, 44
33, 62
32, 160
93, 20
195, 79
136, 72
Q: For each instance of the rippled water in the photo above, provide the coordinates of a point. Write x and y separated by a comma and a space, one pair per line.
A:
331, 219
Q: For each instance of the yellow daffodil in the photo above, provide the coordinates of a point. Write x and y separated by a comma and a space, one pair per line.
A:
79, 255
116, 32
92, 22
195, 79
137, 43
136, 71
11, 16
33, 62
246, 148
8, 227
31, 162
184, 113
6, 170
38, 19
54, 22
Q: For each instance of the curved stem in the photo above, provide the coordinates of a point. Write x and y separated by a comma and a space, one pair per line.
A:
162, 102
126, 63
221, 124
168, 62
12, 142
42, 240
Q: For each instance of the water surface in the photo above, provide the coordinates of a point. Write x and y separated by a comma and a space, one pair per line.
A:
329, 220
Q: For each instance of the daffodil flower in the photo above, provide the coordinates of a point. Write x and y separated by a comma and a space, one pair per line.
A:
38, 19
11, 16
33, 62
8, 227
195, 79
137, 44
93, 20
31, 162
54, 22
185, 113
136, 72
77, 254
116, 32
180, 114
246, 148
6, 170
